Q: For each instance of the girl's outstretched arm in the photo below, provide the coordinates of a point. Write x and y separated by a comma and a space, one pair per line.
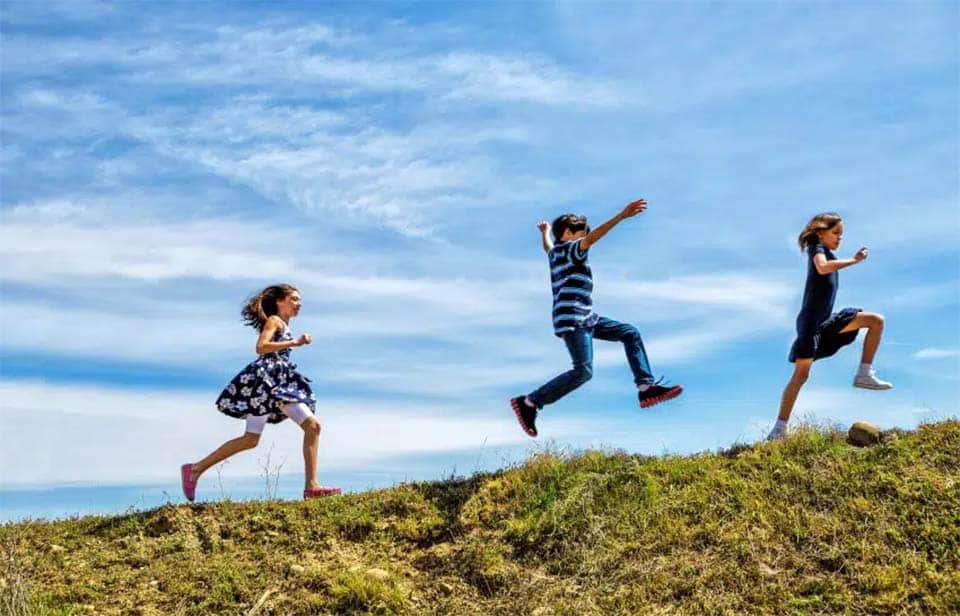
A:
264, 344
632, 209
827, 267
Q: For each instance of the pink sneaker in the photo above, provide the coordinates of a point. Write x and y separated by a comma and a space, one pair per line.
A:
189, 486
320, 492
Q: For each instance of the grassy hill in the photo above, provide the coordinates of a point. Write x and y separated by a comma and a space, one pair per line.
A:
808, 525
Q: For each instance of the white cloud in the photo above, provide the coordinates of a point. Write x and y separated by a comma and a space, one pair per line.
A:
318, 56
517, 79
325, 162
50, 242
935, 353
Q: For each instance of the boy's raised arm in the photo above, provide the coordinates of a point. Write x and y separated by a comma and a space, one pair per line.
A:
632, 209
544, 227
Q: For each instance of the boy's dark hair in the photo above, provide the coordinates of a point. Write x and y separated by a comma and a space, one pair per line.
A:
572, 222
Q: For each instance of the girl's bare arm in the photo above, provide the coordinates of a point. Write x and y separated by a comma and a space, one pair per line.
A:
828, 267
265, 345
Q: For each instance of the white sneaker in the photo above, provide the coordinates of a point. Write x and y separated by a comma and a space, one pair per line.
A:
870, 381
776, 435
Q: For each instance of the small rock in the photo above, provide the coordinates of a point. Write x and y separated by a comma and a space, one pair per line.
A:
445, 588
863, 434
56, 549
298, 569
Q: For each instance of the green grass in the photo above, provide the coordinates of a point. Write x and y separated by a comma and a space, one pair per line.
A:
808, 525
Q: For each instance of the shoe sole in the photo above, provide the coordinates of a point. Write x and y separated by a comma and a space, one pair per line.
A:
321, 494
670, 395
873, 387
516, 411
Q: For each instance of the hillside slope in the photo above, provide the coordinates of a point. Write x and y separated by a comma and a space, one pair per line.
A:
808, 525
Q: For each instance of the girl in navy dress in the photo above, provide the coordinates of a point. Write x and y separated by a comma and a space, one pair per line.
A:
820, 331
268, 390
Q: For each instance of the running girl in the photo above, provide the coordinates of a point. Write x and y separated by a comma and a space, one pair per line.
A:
821, 332
268, 390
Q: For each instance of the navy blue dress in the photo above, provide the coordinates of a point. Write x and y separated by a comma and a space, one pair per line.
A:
266, 384
818, 331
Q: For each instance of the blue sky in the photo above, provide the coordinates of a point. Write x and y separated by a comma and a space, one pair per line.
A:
160, 162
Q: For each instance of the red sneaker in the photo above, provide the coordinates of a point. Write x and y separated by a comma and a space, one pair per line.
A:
657, 393
320, 492
526, 415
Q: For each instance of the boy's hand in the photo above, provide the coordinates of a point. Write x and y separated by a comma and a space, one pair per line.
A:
304, 339
634, 208
862, 254
544, 227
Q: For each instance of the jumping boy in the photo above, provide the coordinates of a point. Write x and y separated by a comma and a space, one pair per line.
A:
575, 321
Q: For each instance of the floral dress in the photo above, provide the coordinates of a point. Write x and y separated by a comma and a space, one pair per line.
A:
266, 385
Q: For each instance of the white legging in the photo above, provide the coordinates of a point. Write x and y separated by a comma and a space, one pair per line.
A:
297, 411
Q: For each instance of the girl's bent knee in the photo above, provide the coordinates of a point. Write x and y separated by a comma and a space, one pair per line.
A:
311, 426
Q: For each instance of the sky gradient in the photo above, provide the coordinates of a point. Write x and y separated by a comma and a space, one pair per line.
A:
161, 162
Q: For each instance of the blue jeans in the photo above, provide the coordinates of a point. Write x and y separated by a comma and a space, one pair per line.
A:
580, 345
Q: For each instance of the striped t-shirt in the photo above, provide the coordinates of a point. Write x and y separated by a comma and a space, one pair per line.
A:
572, 286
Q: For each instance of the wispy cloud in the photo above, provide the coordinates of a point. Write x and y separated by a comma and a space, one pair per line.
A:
935, 353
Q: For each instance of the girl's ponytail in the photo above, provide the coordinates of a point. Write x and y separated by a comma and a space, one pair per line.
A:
264, 305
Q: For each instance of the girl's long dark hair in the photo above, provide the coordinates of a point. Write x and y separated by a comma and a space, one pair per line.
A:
264, 305
820, 222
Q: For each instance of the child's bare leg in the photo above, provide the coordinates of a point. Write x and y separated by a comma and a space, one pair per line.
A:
308, 422
311, 446
873, 323
866, 377
801, 372
248, 441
